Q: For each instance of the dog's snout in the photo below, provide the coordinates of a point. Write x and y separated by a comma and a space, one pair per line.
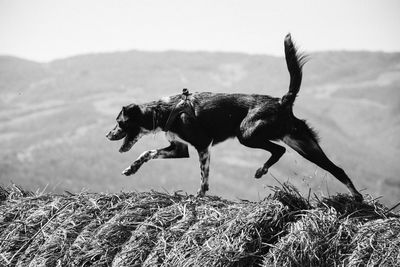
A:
111, 136
116, 134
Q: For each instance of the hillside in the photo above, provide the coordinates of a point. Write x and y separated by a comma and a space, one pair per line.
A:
161, 229
54, 117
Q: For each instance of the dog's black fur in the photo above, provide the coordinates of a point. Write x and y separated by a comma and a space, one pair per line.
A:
254, 119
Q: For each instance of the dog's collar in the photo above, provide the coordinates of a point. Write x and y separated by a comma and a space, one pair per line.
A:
154, 120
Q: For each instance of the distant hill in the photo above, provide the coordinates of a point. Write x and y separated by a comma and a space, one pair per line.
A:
54, 117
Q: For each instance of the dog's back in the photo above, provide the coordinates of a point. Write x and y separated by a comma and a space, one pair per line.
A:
220, 115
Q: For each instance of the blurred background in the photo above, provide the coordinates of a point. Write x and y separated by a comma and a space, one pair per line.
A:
67, 67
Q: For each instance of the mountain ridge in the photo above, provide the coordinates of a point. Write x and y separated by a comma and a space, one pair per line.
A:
54, 117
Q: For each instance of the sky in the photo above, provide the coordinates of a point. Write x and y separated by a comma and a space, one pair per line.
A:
44, 30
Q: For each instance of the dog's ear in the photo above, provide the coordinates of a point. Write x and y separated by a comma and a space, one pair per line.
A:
131, 112
122, 116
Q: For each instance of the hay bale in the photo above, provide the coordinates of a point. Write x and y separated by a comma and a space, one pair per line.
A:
377, 243
19, 233
243, 236
235, 234
74, 218
146, 245
208, 218
345, 206
317, 238
14, 212
103, 208
135, 251
13, 192
290, 197
3, 194
165, 239
152, 228
66, 209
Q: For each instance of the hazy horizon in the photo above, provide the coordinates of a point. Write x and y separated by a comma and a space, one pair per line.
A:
46, 30
192, 51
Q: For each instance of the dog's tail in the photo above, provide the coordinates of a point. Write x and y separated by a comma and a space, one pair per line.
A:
294, 62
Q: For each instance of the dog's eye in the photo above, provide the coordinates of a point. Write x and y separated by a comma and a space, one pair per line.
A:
121, 125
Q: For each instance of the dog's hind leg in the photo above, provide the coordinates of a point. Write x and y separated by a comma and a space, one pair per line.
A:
204, 158
254, 134
276, 152
305, 143
176, 149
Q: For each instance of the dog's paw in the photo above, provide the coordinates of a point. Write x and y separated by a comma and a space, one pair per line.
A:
358, 198
127, 171
131, 169
260, 172
201, 193
203, 189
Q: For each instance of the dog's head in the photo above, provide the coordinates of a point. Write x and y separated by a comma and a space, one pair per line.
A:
129, 125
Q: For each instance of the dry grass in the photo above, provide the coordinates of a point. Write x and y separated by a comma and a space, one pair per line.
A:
160, 229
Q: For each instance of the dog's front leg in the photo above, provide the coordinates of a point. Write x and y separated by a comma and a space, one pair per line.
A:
204, 157
144, 157
175, 150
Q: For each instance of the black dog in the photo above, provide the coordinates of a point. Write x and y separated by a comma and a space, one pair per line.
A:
205, 119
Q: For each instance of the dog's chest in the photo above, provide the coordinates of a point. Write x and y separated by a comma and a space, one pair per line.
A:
171, 136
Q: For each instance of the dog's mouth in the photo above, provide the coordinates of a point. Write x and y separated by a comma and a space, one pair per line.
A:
127, 144
129, 138
117, 134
